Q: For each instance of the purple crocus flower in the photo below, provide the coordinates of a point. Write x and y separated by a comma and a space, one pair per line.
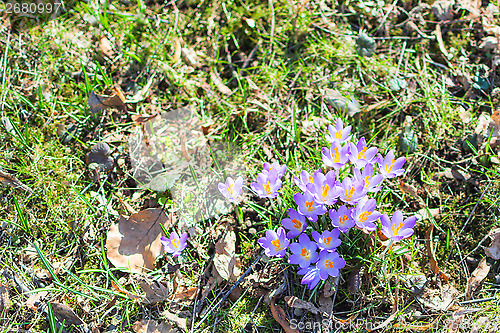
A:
308, 207
324, 188
305, 178
328, 240
267, 185
281, 169
329, 264
338, 133
341, 218
275, 243
360, 155
311, 276
296, 223
390, 168
175, 245
352, 191
371, 182
365, 215
304, 252
335, 157
231, 189
397, 229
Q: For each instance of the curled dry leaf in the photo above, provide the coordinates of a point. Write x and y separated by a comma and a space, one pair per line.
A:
280, 316
98, 158
494, 250
432, 257
134, 243
11, 181
443, 9
179, 319
151, 326
101, 102
479, 274
297, 303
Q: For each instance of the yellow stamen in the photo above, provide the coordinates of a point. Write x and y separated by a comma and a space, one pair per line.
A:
175, 242
349, 193
339, 134
388, 167
328, 240
364, 216
276, 244
362, 154
309, 206
328, 264
324, 190
267, 187
342, 220
230, 189
305, 253
395, 231
336, 155
310, 179
297, 224
367, 181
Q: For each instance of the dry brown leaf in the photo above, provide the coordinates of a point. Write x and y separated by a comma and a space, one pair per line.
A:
187, 294
155, 291
430, 252
220, 85
280, 316
297, 303
65, 314
180, 321
477, 277
494, 250
9, 180
134, 242
489, 44
140, 119
106, 47
438, 299
225, 257
151, 326
126, 292
34, 299
101, 102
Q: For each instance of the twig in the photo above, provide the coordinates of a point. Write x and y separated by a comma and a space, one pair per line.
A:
478, 300
226, 295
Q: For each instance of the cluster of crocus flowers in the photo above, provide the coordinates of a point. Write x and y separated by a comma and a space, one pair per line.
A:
345, 201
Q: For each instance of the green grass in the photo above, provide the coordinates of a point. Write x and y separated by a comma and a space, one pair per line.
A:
49, 71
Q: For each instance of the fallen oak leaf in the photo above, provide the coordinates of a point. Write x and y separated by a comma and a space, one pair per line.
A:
479, 274
134, 243
432, 257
